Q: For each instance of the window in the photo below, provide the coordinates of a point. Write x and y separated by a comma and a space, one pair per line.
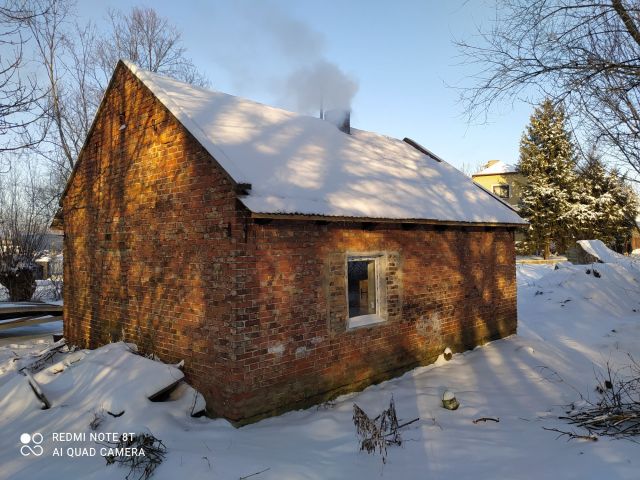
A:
361, 285
502, 190
363, 291
363, 288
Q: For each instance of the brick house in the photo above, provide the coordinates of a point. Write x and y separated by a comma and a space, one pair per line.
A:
286, 260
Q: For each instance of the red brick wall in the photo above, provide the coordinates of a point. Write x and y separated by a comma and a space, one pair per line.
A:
159, 251
447, 286
151, 230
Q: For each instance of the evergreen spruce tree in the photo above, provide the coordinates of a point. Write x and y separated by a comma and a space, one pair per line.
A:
612, 202
627, 199
548, 161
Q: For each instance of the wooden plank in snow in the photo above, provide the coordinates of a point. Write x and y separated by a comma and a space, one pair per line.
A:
24, 321
28, 307
28, 313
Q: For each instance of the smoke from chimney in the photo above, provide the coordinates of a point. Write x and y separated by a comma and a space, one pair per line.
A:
287, 56
320, 86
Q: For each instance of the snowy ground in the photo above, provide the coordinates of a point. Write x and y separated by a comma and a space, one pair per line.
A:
540, 259
31, 339
571, 323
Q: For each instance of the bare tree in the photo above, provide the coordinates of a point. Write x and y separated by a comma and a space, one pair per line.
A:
471, 168
23, 229
77, 61
148, 40
585, 54
50, 41
19, 92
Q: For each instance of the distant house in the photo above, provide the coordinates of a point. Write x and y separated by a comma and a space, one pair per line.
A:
285, 259
49, 266
50, 262
503, 180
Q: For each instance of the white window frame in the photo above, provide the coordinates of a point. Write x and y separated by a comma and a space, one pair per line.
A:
501, 185
370, 318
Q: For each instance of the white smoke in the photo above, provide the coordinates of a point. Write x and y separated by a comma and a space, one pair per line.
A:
319, 86
305, 80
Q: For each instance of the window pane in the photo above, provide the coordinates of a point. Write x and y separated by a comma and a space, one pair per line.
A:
501, 191
361, 285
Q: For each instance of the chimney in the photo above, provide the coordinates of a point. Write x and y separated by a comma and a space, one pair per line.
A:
340, 118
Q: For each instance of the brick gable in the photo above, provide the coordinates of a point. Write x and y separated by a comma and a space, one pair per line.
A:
151, 231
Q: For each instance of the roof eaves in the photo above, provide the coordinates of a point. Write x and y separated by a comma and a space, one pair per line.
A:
425, 221
481, 174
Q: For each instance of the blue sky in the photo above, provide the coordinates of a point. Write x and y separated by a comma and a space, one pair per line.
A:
400, 54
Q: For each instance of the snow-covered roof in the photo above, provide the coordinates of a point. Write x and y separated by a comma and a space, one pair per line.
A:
298, 164
496, 168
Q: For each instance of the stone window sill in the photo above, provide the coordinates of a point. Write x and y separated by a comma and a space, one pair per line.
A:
364, 321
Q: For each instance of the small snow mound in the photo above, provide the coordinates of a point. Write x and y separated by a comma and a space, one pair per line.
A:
440, 360
448, 354
600, 251
526, 349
